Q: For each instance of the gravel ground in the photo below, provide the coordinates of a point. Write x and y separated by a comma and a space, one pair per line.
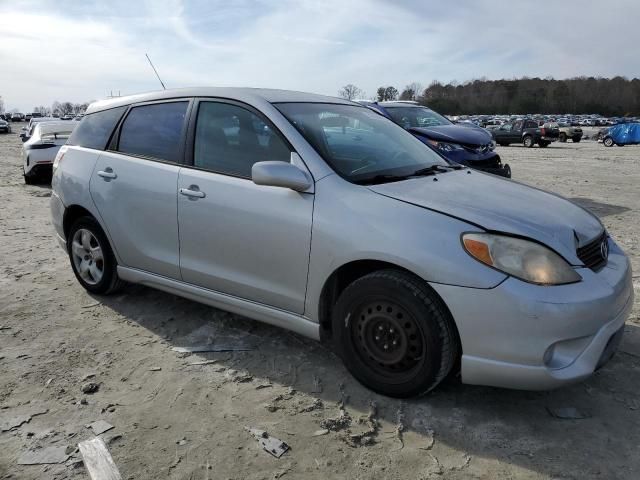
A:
174, 418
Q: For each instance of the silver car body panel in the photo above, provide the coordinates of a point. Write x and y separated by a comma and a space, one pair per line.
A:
267, 252
502, 206
240, 306
233, 219
138, 208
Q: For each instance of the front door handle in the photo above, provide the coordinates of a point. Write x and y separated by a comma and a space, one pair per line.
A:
107, 174
192, 192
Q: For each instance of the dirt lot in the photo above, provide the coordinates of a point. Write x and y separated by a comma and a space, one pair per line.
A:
174, 418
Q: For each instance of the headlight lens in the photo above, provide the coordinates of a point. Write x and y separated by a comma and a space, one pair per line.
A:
524, 259
446, 147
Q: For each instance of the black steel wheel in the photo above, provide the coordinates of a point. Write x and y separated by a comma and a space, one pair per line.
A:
394, 333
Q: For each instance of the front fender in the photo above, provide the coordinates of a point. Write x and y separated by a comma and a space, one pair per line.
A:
352, 223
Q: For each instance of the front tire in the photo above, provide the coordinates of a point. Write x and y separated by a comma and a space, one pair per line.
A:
394, 334
92, 259
577, 139
563, 137
608, 142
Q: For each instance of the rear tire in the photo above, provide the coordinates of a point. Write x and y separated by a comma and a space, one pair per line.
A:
527, 141
562, 137
576, 139
394, 334
92, 259
543, 144
29, 180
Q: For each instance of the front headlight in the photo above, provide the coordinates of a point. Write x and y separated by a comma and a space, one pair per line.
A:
446, 147
524, 259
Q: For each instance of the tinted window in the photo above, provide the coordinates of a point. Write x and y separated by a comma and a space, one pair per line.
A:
230, 139
154, 130
358, 143
408, 117
95, 129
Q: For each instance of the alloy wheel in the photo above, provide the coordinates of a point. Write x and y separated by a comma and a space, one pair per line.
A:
87, 256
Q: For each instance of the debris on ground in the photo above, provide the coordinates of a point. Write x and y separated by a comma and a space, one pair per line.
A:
366, 437
89, 387
15, 422
568, 413
315, 405
204, 362
155, 369
400, 427
319, 433
275, 447
98, 461
213, 348
342, 421
43, 456
99, 426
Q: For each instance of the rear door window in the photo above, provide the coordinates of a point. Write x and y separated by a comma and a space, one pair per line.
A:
95, 129
154, 131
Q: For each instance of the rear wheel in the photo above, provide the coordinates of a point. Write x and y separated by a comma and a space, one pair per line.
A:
562, 137
543, 144
394, 334
92, 259
528, 141
576, 139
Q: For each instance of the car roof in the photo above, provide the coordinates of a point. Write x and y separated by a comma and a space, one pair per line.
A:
55, 127
252, 96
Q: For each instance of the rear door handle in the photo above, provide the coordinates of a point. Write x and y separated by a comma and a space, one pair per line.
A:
192, 192
107, 174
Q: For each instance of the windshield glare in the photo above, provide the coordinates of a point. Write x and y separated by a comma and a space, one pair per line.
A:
409, 117
358, 143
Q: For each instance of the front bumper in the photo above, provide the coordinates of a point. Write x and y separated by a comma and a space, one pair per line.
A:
523, 336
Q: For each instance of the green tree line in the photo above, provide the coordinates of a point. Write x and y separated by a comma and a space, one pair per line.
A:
617, 96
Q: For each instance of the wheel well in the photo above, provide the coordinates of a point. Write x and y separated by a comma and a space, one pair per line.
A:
71, 214
339, 280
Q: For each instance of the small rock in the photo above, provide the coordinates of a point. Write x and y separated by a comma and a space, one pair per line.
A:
89, 387
155, 369
321, 432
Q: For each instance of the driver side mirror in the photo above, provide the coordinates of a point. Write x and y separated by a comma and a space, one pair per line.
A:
280, 174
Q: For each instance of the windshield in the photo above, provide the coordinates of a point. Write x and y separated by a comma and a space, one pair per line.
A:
358, 143
408, 117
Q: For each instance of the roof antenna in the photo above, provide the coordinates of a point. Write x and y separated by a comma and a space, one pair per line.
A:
156, 72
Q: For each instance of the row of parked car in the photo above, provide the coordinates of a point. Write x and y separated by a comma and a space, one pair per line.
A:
22, 117
489, 121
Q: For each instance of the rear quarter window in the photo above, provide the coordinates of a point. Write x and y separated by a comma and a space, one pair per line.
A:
95, 129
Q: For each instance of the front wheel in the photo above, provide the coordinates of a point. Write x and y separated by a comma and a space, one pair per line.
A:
577, 139
562, 137
608, 142
528, 141
394, 334
92, 259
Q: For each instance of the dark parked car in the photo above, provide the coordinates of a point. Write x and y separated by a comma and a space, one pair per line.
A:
471, 146
527, 132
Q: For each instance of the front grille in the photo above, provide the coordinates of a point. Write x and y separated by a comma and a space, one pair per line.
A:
593, 254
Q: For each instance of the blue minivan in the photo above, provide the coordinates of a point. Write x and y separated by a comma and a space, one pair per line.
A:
468, 145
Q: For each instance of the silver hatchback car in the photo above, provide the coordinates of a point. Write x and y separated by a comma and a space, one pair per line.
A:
320, 216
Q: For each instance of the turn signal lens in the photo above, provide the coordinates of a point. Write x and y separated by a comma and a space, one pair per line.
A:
478, 250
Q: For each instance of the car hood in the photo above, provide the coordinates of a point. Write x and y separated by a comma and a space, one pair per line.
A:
455, 134
501, 205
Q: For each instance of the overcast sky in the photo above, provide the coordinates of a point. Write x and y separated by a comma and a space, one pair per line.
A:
81, 50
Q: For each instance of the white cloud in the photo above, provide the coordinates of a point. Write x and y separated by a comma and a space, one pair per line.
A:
71, 51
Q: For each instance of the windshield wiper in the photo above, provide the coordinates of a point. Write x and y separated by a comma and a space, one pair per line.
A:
382, 179
433, 169
422, 172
